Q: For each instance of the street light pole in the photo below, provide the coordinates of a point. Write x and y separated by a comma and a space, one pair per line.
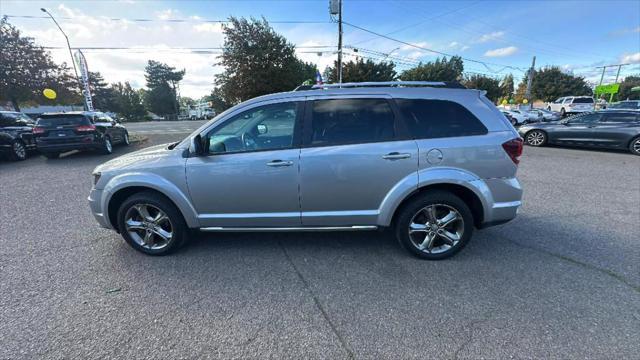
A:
75, 70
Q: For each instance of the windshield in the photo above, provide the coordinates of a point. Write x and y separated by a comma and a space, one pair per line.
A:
62, 120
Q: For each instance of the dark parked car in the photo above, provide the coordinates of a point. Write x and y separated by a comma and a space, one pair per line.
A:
602, 129
16, 135
625, 105
59, 132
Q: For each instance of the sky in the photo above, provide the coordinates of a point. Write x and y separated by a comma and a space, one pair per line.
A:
494, 37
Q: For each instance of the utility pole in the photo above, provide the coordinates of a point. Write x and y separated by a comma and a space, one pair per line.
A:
75, 70
340, 42
335, 8
527, 94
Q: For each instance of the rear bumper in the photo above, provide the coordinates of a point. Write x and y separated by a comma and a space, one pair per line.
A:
95, 203
62, 147
503, 200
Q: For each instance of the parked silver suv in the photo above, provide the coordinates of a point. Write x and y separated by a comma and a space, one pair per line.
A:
431, 160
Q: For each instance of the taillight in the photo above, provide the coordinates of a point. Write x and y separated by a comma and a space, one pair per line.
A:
513, 148
38, 130
85, 128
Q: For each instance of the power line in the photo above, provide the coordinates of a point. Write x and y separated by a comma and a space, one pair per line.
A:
485, 63
171, 20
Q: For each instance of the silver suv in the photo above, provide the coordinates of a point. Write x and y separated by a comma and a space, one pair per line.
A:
430, 160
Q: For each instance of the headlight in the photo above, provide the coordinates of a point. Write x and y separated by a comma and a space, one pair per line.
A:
96, 178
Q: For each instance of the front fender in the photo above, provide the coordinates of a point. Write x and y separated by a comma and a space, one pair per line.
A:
432, 176
155, 182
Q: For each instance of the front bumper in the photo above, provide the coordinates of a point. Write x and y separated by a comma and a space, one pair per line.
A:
95, 203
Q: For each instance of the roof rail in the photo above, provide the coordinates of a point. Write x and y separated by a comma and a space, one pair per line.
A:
441, 84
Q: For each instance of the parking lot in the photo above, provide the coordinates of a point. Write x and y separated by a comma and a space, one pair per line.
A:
561, 281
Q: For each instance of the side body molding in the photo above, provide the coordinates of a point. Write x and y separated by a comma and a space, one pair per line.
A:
155, 182
432, 176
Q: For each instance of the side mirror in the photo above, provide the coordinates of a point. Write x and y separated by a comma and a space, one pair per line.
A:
262, 129
196, 145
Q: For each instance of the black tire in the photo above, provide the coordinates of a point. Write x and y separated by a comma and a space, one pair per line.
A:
548, 108
180, 231
634, 146
18, 151
536, 138
439, 198
107, 146
563, 113
125, 139
51, 155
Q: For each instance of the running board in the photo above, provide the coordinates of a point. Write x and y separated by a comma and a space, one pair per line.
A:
295, 229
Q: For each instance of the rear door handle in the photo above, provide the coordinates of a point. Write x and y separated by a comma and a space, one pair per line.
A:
396, 156
279, 163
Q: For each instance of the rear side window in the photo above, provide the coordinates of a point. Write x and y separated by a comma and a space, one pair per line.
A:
583, 101
351, 121
8, 119
428, 119
619, 118
62, 120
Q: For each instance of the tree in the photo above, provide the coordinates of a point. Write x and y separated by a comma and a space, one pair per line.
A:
362, 71
506, 87
217, 102
27, 69
438, 70
257, 61
551, 83
101, 94
481, 82
126, 102
625, 88
162, 84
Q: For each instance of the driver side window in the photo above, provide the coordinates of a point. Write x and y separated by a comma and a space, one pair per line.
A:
267, 127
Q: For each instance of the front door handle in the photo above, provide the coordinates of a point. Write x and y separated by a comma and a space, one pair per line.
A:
396, 156
279, 163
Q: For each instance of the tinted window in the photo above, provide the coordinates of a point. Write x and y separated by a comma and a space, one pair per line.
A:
583, 101
439, 118
62, 120
8, 119
266, 127
620, 118
625, 105
351, 121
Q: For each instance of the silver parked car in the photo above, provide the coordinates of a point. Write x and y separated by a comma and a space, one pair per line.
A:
430, 160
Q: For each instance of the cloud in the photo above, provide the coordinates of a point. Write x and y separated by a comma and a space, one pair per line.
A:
627, 31
631, 58
458, 46
208, 27
167, 14
491, 36
501, 52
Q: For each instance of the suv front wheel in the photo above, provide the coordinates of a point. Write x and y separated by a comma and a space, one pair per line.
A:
151, 224
435, 225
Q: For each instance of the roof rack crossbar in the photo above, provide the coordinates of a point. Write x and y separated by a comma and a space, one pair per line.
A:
445, 84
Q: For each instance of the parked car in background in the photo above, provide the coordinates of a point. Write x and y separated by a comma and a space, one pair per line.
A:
572, 105
625, 105
60, 132
603, 129
515, 115
548, 115
16, 135
430, 162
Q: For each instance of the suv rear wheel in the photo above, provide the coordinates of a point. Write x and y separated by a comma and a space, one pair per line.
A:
18, 151
634, 146
107, 146
435, 225
151, 224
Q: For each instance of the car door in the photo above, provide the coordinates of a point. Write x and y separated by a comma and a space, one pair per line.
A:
614, 129
576, 130
108, 125
249, 174
356, 149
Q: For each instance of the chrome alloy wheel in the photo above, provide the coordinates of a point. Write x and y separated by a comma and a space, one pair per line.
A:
148, 226
636, 146
126, 139
19, 150
107, 145
436, 228
535, 138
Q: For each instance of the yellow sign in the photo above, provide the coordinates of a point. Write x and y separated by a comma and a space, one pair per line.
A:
49, 94
525, 101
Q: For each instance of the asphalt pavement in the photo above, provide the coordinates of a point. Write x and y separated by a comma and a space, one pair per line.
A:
560, 281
